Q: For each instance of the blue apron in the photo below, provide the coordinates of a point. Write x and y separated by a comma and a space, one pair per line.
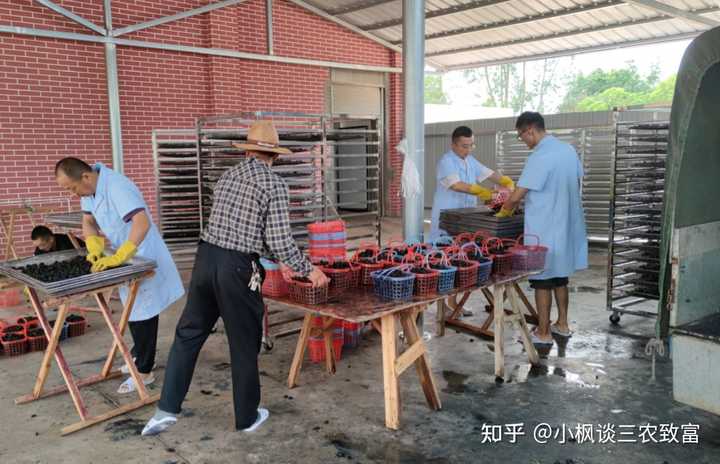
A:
553, 206
115, 198
470, 171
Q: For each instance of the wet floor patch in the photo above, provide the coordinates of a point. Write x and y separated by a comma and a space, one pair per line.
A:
595, 344
124, 428
523, 372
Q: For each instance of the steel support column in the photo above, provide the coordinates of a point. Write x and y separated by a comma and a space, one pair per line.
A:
414, 78
113, 89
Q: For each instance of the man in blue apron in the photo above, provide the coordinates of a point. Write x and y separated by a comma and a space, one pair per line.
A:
550, 183
458, 177
113, 205
250, 217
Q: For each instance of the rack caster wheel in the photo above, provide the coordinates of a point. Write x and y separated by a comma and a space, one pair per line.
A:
615, 318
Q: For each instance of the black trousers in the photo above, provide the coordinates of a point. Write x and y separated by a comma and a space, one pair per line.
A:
219, 288
144, 335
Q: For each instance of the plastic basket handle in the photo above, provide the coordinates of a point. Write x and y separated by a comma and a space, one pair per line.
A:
443, 240
520, 240
443, 257
479, 235
385, 272
487, 242
471, 244
463, 237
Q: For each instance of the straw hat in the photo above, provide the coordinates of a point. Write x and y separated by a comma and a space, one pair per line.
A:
262, 136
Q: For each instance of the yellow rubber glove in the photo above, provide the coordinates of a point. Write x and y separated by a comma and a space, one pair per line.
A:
507, 182
481, 192
95, 246
504, 212
126, 251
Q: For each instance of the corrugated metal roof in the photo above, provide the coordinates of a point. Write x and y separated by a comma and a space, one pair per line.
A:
472, 33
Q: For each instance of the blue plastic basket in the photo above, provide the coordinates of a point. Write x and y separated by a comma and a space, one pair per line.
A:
485, 263
393, 288
446, 279
484, 270
443, 242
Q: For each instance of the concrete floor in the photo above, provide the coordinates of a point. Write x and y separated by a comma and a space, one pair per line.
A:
600, 377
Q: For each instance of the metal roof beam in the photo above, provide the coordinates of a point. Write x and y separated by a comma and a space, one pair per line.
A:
525, 19
72, 16
691, 16
175, 17
189, 49
559, 35
575, 51
359, 6
436, 13
324, 14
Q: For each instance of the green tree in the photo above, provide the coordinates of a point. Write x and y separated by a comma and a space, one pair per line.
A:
599, 81
433, 89
519, 86
618, 97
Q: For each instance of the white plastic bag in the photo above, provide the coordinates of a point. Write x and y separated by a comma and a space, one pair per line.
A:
410, 185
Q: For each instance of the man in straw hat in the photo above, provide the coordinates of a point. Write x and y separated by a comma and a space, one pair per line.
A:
250, 217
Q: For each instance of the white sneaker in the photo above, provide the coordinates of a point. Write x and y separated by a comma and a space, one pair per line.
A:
156, 426
262, 416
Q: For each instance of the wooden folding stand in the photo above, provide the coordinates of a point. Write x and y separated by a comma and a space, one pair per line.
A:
393, 365
500, 289
484, 330
71, 384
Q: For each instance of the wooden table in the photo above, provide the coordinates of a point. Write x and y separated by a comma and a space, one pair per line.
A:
361, 305
73, 385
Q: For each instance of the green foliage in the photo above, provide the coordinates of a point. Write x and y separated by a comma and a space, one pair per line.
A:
433, 89
601, 86
618, 96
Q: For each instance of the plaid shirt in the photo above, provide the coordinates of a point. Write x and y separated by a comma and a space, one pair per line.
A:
250, 214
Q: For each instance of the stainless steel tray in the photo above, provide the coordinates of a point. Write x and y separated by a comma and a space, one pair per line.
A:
71, 220
136, 266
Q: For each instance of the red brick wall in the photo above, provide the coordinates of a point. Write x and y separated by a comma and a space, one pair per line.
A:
53, 98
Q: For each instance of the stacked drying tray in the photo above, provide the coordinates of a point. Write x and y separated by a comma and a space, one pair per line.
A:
638, 185
301, 170
481, 219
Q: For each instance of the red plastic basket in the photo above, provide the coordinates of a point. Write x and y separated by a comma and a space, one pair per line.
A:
274, 284
502, 259
25, 321
351, 333
340, 279
14, 344
305, 293
366, 257
426, 283
326, 227
36, 340
463, 238
528, 257
10, 297
316, 344
467, 270
76, 325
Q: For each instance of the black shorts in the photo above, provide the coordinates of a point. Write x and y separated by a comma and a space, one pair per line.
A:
548, 284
